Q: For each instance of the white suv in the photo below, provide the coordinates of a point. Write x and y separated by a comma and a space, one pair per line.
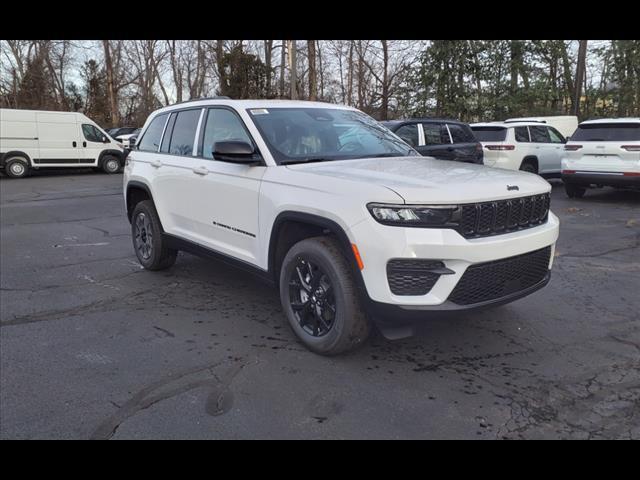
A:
348, 221
602, 153
529, 146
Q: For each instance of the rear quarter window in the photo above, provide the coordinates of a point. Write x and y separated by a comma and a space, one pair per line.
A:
461, 133
607, 132
522, 134
151, 139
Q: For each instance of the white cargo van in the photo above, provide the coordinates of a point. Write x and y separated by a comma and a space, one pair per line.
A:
565, 124
33, 139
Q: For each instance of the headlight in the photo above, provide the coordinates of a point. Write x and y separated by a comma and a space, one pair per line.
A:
416, 215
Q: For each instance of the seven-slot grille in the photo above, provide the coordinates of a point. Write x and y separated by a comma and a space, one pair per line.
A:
412, 276
502, 216
499, 278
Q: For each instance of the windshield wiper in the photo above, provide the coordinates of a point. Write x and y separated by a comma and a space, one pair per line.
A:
305, 160
386, 155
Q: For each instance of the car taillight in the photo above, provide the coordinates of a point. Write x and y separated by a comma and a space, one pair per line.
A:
572, 148
566, 172
478, 147
631, 148
631, 174
500, 147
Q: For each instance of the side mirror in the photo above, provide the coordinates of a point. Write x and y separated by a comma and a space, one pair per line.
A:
132, 141
235, 152
566, 139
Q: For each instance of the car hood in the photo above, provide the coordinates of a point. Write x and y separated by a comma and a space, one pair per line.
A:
425, 179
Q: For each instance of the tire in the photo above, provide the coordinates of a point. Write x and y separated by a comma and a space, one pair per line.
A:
528, 166
574, 191
110, 164
152, 253
16, 167
320, 298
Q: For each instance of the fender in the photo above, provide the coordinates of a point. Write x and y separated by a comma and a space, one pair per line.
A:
116, 153
318, 221
5, 156
135, 184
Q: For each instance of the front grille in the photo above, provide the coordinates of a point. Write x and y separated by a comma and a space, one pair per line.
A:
502, 216
493, 280
412, 277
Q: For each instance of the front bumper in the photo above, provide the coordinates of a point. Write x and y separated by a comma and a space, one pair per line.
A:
378, 244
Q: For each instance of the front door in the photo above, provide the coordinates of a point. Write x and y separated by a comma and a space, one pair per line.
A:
92, 144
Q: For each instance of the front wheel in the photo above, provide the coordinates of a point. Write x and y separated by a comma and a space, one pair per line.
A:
320, 299
110, 164
574, 191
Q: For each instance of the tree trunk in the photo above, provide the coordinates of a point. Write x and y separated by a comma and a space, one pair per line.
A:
293, 74
268, 49
111, 91
313, 82
283, 60
582, 54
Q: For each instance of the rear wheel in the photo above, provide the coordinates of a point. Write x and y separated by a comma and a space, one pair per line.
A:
150, 248
320, 299
17, 167
574, 191
110, 164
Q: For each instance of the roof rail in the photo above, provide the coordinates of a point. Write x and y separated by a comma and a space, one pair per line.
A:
219, 97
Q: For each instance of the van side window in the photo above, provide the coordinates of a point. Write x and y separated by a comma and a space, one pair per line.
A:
221, 125
409, 133
539, 134
183, 135
151, 139
435, 134
91, 133
522, 134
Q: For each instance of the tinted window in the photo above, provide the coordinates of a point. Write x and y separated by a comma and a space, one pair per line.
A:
435, 134
91, 133
325, 134
607, 132
184, 132
221, 125
522, 134
556, 136
539, 134
167, 133
461, 133
151, 139
409, 133
490, 134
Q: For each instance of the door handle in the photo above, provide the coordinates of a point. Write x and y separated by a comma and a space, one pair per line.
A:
156, 163
84, 144
201, 170
74, 144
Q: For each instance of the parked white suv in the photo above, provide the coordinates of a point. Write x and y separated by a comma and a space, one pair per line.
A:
529, 146
602, 153
344, 217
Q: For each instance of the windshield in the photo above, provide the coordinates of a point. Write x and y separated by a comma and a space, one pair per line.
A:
490, 134
607, 132
296, 135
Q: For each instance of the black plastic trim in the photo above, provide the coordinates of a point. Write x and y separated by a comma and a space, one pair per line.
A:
609, 179
178, 243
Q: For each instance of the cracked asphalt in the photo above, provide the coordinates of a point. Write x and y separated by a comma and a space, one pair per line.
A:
94, 347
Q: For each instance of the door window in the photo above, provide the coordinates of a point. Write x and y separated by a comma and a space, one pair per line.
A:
409, 133
539, 134
522, 134
151, 139
222, 125
461, 133
184, 132
435, 134
91, 133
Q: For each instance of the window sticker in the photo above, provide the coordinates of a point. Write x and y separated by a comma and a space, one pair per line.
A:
259, 111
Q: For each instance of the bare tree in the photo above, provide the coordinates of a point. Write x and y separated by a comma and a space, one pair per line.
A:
313, 81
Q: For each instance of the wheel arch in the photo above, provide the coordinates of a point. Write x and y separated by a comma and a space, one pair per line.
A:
531, 159
290, 227
136, 193
116, 153
15, 153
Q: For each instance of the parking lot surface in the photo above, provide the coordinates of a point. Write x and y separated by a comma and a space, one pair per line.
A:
94, 347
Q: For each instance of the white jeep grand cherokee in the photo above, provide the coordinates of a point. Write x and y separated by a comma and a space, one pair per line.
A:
348, 221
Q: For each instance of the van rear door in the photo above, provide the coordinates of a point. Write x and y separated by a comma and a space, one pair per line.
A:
59, 139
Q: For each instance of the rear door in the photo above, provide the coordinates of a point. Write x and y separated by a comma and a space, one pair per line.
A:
465, 146
556, 150
606, 147
543, 149
437, 142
